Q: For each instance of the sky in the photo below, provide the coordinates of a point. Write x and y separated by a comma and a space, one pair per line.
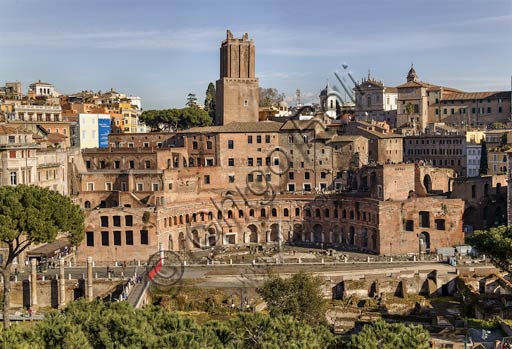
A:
161, 50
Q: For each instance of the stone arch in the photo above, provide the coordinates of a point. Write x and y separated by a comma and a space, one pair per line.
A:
424, 242
187, 218
181, 219
253, 233
274, 233
318, 233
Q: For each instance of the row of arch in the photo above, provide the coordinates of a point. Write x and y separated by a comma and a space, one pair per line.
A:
210, 236
204, 216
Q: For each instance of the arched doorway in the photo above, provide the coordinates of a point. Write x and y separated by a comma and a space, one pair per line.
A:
469, 219
274, 232
424, 240
352, 236
427, 182
317, 233
195, 239
212, 237
253, 235
297, 232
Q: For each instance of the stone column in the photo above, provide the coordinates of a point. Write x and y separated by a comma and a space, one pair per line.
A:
89, 292
62, 283
33, 282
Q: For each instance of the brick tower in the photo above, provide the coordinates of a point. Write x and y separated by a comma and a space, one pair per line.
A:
237, 87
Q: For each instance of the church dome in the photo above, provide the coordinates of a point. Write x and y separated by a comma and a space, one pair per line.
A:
283, 104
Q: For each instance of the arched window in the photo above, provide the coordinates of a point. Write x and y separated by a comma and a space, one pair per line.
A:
251, 213
317, 212
263, 213
274, 212
297, 212
87, 204
240, 213
286, 213
219, 214
326, 212
230, 214
308, 212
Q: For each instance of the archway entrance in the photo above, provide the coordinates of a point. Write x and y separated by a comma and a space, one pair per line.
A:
352, 236
274, 232
212, 237
297, 232
253, 235
424, 240
195, 239
317, 233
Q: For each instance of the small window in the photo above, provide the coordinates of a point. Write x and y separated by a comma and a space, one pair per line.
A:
104, 221
409, 225
258, 139
440, 224
144, 239
267, 139
231, 179
231, 144
249, 139
117, 221
207, 179
231, 162
132, 164
128, 221
424, 219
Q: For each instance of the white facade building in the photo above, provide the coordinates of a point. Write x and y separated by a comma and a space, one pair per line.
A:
92, 130
473, 156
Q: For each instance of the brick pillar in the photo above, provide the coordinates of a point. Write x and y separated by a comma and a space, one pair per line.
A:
33, 282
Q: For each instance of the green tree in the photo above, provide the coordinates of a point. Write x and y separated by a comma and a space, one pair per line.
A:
270, 97
191, 100
32, 214
175, 119
381, 335
210, 100
496, 243
299, 296
483, 159
119, 325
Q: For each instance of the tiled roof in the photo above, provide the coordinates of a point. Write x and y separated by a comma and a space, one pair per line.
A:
238, 127
12, 129
388, 89
475, 95
344, 138
415, 84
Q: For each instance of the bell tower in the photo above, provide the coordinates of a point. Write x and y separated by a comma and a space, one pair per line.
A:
237, 87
